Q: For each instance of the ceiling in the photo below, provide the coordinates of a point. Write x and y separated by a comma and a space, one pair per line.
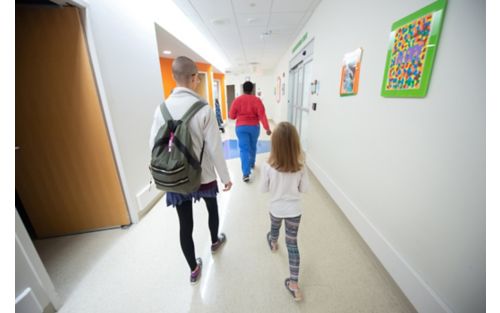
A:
166, 41
252, 34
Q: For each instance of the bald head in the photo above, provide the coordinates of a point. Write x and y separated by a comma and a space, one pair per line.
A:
184, 68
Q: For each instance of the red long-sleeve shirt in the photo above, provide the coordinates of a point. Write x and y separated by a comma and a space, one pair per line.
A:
248, 110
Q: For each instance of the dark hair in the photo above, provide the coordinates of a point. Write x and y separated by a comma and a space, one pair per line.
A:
247, 87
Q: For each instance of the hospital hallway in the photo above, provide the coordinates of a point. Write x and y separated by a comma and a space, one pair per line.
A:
142, 269
388, 101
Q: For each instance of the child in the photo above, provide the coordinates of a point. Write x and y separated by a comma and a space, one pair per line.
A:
285, 177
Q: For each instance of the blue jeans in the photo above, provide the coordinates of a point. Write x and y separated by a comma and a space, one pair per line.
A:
247, 141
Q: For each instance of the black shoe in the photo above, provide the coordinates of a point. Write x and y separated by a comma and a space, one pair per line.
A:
196, 274
219, 243
246, 178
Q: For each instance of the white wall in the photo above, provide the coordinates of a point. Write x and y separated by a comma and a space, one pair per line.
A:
124, 41
408, 173
124, 37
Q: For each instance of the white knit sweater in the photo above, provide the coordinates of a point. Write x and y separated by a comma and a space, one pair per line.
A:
203, 127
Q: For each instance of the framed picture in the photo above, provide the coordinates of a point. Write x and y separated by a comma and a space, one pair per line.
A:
278, 89
349, 77
412, 48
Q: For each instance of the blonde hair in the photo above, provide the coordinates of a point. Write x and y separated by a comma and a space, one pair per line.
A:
286, 153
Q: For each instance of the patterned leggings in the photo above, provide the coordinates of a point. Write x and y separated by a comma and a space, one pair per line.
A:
291, 229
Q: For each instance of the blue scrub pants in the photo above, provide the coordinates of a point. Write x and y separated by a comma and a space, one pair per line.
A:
247, 141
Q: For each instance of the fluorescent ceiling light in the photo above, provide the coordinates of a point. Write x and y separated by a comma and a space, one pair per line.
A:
167, 52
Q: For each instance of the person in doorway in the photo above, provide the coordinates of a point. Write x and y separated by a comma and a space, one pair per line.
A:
206, 139
248, 110
285, 177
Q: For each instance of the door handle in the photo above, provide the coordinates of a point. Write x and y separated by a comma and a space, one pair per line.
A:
17, 148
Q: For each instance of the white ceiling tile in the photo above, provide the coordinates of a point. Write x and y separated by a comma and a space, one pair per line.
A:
291, 5
252, 6
252, 33
252, 19
241, 40
213, 9
285, 20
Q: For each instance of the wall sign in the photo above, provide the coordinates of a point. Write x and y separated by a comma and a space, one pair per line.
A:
412, 48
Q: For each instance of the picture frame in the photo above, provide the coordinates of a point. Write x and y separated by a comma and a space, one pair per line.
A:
349, 77
411, 52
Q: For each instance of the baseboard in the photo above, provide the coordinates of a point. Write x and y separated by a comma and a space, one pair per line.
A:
147, 198
421, 295
49, 309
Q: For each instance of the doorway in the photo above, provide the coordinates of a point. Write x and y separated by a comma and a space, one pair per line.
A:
66, 175
67, 179
300, 76
230, 96
202, 88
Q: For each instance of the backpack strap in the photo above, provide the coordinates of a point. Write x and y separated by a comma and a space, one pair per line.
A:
195, 107
198, 105
164, 112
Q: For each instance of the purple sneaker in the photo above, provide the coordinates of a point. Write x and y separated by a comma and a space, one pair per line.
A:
196, 274
219, 243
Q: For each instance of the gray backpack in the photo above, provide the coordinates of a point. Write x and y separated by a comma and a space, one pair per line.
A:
174, 166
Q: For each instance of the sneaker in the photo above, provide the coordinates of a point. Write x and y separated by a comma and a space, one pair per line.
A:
246, 178
296, 293
196, 274
219, 243
272, 245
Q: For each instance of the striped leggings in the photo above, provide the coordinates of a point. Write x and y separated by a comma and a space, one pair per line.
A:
291, 229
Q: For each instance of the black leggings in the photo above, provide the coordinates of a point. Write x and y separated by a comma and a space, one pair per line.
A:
185, 213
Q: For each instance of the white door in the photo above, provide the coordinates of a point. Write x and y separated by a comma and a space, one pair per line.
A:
300, 96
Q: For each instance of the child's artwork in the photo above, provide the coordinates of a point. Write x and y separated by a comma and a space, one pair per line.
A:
412, 49
349, 79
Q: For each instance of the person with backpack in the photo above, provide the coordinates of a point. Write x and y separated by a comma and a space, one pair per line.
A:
185, 132
248, 110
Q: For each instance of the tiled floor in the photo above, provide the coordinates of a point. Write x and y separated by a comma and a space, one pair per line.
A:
142, 269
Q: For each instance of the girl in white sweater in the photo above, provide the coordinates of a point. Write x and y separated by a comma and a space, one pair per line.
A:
285, 177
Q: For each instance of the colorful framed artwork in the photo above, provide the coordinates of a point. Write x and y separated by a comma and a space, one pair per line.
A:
349, 77
412, 49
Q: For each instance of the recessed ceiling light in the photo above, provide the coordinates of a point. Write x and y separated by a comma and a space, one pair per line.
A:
252, 20
266, 34
220, 21
167, 52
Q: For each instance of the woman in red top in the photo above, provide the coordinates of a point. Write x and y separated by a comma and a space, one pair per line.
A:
248, 110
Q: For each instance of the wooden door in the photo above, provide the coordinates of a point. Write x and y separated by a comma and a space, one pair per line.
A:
65, 170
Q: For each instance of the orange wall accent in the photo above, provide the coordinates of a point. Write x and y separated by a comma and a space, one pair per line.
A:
222, 100
167, 76
169, 82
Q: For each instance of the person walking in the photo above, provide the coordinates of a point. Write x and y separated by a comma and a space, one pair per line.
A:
248, 110
207, 142
284, 176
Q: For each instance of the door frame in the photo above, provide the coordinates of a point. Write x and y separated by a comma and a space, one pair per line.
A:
82, 6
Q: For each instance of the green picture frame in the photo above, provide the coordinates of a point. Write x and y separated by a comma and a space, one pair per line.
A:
411, 52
